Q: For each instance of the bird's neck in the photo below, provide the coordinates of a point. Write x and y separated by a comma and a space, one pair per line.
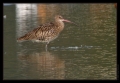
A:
60, 25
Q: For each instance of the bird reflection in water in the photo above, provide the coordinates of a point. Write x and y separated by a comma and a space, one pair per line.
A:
43, 65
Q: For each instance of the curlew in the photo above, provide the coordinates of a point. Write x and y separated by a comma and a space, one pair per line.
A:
46, 32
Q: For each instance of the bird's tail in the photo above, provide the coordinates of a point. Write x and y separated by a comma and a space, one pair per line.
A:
22, 38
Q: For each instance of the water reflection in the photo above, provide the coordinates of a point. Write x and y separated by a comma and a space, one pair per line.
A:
87, 52
42, 12
25, 17
41, 65
46, 12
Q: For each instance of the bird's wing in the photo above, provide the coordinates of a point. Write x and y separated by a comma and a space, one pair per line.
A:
45, 30
40, 32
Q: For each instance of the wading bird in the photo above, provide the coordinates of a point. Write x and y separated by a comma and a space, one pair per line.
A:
46, 32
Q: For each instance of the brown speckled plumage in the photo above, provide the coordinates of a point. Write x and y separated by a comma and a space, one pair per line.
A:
46, 32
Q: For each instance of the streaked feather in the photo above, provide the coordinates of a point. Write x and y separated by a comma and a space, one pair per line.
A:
46, 32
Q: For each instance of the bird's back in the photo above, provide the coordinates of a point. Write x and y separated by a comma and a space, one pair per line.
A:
44, 33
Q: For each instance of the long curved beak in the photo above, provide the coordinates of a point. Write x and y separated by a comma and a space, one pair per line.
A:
69, 21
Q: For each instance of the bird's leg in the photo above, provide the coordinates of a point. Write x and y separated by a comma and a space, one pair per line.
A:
46, 45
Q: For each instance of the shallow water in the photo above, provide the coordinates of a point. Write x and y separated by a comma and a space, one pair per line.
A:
86, 51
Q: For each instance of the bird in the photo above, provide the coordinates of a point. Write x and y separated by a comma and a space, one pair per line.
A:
46, 32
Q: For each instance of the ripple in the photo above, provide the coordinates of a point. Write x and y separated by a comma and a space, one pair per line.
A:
75, 47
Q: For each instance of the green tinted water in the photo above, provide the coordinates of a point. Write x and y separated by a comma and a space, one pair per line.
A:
84, 52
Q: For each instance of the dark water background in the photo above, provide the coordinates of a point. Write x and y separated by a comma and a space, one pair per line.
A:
84, 52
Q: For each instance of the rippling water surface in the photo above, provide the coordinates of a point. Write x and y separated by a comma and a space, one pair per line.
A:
86, 51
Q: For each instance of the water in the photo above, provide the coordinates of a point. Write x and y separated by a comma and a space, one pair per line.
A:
84, 52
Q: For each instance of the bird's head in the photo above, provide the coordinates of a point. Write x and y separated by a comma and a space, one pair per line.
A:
60, 18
